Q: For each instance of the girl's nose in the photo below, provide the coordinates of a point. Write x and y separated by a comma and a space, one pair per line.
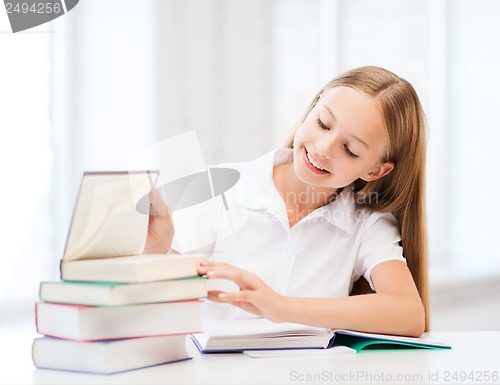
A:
324, 147
320, 153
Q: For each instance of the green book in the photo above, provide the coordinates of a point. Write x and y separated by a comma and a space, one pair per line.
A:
359, 341
118, 294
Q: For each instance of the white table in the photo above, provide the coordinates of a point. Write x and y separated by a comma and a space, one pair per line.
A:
475, 355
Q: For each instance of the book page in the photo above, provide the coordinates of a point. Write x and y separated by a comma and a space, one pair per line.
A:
258, 334
336, 350
106, 222
258, 327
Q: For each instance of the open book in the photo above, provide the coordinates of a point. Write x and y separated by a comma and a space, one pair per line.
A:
106, 222
109, 230
239, 335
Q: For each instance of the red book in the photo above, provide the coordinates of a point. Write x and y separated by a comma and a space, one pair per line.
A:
91, 323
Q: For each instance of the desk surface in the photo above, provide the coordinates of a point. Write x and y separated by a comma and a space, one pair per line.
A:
473, 360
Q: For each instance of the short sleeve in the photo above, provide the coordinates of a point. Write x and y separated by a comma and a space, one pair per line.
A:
380, 242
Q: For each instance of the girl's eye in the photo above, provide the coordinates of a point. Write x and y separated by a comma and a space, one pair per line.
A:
322, 125
346, 148
349, 152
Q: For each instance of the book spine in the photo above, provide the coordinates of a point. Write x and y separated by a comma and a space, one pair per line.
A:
60, 269
33, 352
40, 290
36, 317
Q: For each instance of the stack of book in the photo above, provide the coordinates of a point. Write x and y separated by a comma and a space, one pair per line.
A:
116, 309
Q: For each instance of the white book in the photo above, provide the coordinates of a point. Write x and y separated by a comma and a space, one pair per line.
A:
107, 221
133, 268
109, 229
108, 357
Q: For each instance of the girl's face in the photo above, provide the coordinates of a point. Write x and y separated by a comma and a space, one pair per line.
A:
342, 139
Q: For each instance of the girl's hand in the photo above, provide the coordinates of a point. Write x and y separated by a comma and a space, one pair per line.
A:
254, 295
161, 226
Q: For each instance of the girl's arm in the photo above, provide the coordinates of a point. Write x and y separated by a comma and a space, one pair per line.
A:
395, 308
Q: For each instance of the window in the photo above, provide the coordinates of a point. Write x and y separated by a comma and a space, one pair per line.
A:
25, 159
115, 78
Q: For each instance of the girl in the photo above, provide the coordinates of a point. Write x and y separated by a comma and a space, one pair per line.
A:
337, 207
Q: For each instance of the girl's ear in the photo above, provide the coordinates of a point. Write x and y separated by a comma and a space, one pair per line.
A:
378, 171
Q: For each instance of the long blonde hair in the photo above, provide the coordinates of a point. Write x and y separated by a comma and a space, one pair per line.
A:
402, 191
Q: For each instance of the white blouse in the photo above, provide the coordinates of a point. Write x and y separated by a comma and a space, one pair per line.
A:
321, 256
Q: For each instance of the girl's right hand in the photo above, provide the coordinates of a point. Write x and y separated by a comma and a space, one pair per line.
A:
161, 225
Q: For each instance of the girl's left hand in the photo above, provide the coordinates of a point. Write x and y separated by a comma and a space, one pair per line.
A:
254, 295
160, 227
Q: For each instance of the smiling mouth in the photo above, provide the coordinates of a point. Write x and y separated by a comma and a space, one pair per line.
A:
313, 164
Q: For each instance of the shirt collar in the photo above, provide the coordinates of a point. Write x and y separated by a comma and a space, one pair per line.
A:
341, 212
256, 191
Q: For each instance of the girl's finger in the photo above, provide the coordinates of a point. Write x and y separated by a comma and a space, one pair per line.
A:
229, 297
241, 277
217, 264
236, 296
204, 267
213, 295
236, 299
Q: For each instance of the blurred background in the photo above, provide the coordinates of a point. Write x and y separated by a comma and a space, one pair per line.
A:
98, 85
